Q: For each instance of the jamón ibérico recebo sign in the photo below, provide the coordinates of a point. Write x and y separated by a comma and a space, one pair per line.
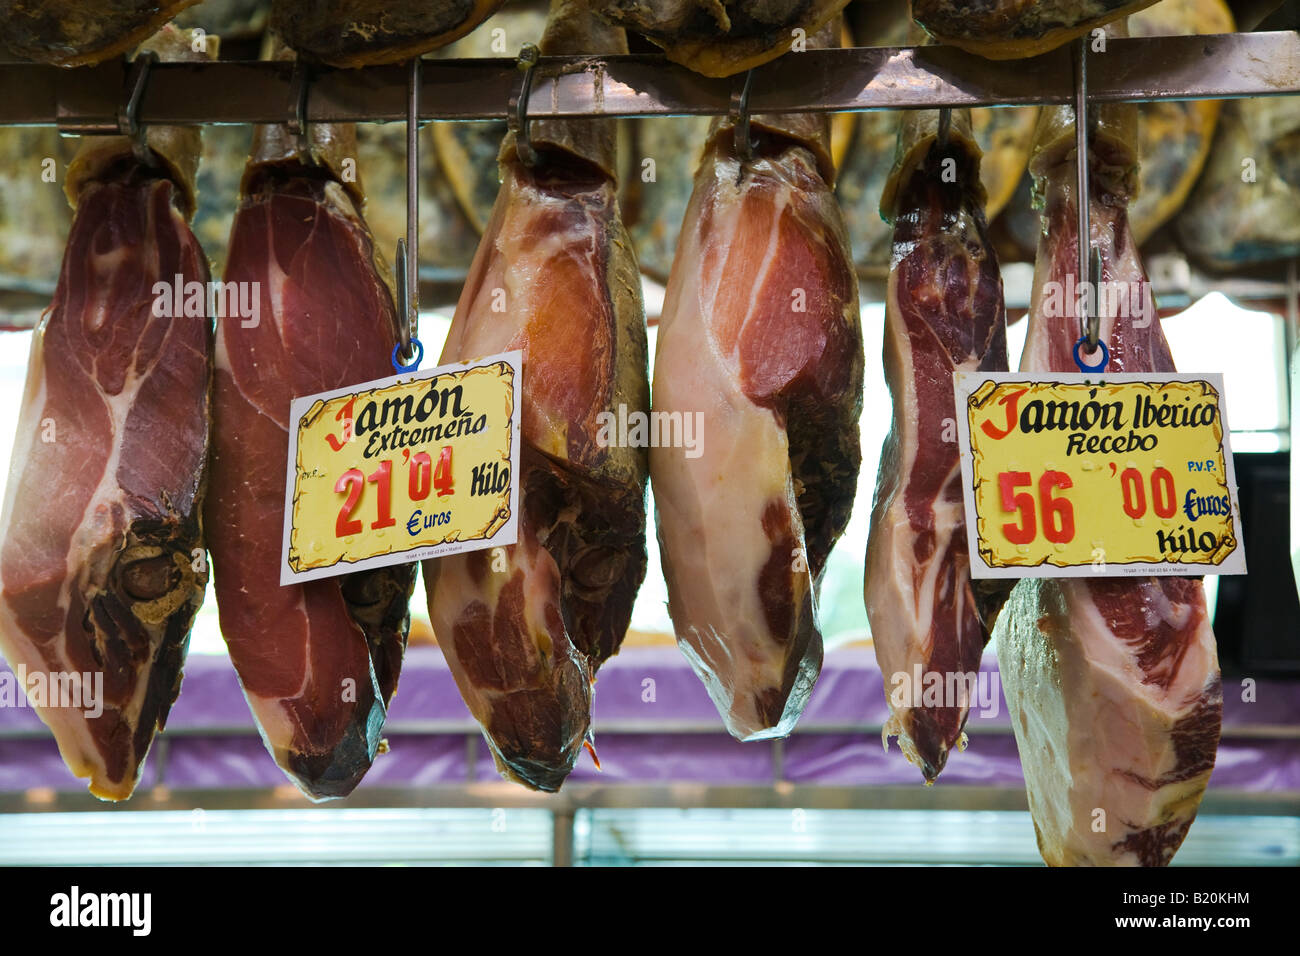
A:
403, 469
1068, 475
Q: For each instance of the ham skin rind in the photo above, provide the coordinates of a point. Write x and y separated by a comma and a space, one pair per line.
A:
759, 342
318, 661
1112, 683
1012, 29
944, 313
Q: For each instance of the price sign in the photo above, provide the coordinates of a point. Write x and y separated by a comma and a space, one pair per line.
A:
1072, 475
403, 469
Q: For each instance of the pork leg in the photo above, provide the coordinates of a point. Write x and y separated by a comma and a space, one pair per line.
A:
1112, 683
760, 357
944, 313
318, 661
101, 561
524, 628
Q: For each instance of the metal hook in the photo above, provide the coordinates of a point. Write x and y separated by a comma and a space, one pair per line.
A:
405, 317
299, 86
945, 126
128, 122
1089, 261
408, 249
744, 143
517, 113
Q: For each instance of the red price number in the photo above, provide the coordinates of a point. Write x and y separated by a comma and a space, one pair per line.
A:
1057, 513
423, 477
1164, 502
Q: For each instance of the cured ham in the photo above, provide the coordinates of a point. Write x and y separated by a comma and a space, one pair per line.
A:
467, 152
1175, 135
34, 219
720, 38
944, 313
76, 33
524, 628
1243, 213
1010, 29
760, 350
101, 544
364, 32
654, 206
318, 661
1112, 683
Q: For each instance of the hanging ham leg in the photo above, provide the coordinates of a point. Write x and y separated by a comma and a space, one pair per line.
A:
524, 628
101, 560
944, 313
720, 39
76, 33
1009, 29
1112, 683
318, 661
760, 354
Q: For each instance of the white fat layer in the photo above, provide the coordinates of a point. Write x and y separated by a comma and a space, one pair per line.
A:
1085, 721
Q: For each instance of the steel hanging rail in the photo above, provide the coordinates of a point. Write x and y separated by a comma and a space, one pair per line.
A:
1223, 66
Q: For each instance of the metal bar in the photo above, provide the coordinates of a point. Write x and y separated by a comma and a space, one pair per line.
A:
1082, 191
411, 320
576, 796
860, 78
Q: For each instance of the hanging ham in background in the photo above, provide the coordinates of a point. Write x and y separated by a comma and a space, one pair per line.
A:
101, 560
77, 33
352, 33
759, 358
524, 628
1174, 135
1011, 29
944, 313
720, 38
1242, 211
1004, 136
1112, 683
318, 661
467, 152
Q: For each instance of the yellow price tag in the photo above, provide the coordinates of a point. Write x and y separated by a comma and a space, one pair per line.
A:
1072, 475
403, 469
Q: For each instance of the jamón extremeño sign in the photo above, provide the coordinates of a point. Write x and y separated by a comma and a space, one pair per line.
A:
403, 469
1072, 475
